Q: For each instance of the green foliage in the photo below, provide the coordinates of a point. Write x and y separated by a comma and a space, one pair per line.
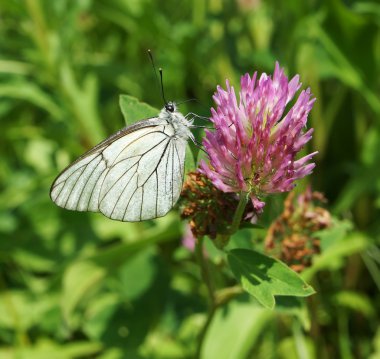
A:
242, 333
264, 277
133, 110
77, 285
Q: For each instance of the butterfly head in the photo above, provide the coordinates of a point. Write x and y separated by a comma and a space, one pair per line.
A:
170, 107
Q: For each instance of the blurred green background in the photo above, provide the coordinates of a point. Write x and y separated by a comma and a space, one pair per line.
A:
78, 285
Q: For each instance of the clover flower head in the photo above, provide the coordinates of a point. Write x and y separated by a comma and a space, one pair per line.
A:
256, 139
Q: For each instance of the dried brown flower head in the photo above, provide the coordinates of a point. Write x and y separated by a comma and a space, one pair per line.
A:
291, 237
209, 210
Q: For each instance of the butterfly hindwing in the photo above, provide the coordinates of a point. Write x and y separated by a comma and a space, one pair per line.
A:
76, 187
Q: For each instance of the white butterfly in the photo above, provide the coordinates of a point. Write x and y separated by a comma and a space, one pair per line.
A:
133, 175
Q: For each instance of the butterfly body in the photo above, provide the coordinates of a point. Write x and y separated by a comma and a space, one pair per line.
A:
135, 174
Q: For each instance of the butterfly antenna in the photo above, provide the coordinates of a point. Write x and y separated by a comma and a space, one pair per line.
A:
188, 100
161, 87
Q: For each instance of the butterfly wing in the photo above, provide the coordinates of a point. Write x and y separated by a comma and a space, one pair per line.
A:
133, 175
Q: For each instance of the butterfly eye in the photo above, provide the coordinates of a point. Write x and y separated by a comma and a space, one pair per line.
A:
169, 107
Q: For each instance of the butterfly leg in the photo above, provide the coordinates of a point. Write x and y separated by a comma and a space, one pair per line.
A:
194, 115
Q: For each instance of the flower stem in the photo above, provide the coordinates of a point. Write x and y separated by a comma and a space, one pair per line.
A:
202, 334
204, 269
222, 240
211, 293
239, 212
213, 302
221, 298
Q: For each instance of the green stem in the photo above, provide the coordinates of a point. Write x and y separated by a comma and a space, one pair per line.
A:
239, 212
215, 302
211, 294
221, 298
202, 334
204, 270
299, 340
41, 31
222, 239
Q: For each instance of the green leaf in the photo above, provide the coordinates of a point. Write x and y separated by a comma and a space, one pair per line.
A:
355, 301
46, 348
133, 110
189, 160
376, 345
202, 155
99, 312
27, 91
296, 307
166, 229
264, 277
83, 102
80, 279
334, 235
137, 274
245, 322
333, 257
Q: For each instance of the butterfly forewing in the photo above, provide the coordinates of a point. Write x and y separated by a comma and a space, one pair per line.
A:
135, 174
